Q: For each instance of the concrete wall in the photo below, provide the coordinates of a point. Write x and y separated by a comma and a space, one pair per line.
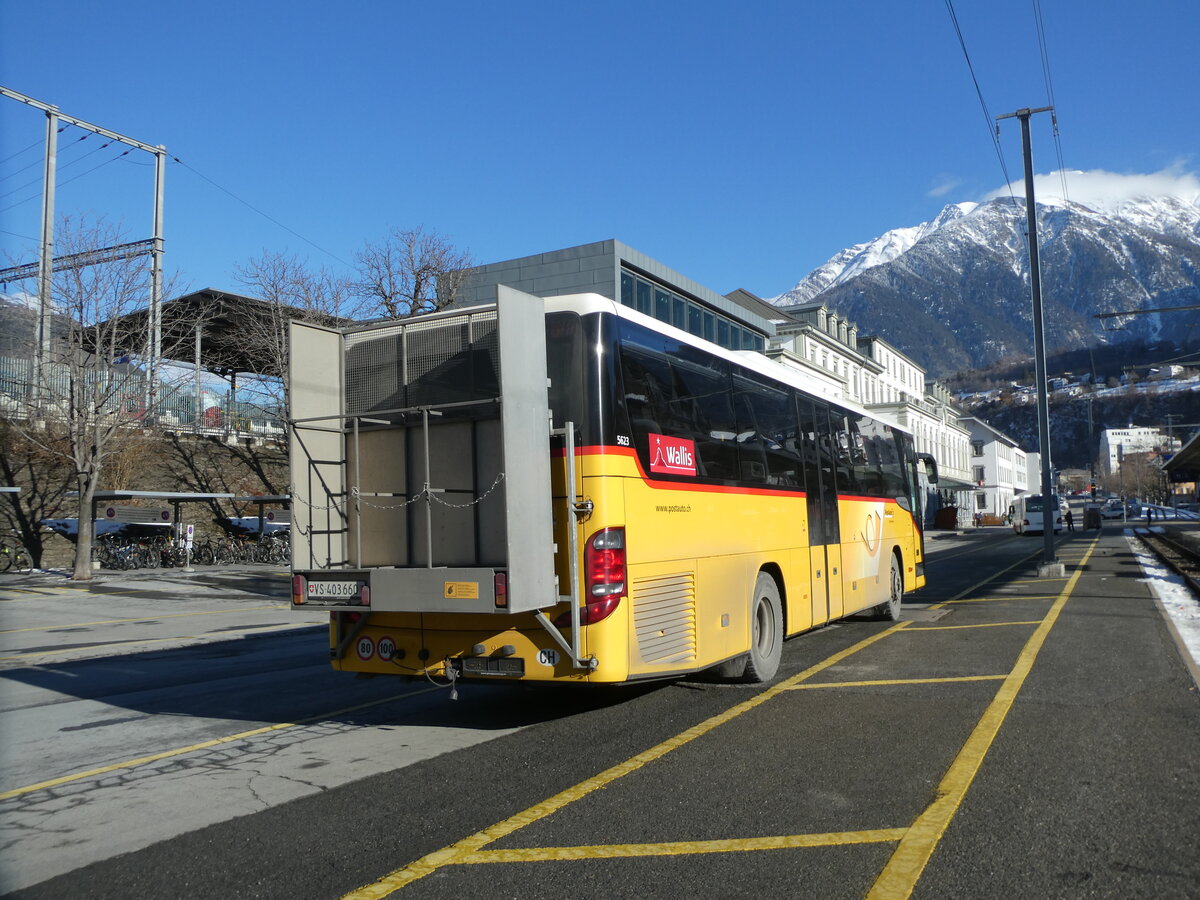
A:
590, 268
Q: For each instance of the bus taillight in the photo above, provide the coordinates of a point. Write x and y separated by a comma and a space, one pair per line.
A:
298, 589
605, 574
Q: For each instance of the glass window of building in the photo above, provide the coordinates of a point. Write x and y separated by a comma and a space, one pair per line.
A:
678, 312
643, 298
662, 306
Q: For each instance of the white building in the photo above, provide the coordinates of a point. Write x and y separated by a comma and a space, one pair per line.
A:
999, 468
817, 340
1118, 442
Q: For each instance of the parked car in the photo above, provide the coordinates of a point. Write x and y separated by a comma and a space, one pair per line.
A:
1112, 509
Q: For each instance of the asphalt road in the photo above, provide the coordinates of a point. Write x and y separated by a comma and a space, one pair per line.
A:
1015, 735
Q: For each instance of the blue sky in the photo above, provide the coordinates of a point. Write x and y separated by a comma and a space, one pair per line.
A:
741, 146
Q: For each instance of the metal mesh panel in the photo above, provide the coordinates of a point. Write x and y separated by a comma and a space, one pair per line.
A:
447, 360
373, 371
434, 363
485, 346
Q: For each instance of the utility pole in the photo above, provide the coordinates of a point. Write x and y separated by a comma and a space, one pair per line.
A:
46, 260
1170, 488
1050, 566
41, 351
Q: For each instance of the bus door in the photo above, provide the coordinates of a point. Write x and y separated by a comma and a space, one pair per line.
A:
823, 529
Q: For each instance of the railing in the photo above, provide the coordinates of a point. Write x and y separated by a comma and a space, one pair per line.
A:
175, 405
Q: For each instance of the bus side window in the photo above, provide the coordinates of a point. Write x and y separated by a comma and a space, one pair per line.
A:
868, 467
843, 454
773, 445
891, 463
752, 458
705, 382
643, 377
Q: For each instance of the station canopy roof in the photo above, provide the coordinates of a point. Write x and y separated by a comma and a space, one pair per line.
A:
950, 483
1185, 465
172, 496
228, 325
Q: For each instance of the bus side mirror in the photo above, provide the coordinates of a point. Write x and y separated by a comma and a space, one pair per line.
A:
931, 467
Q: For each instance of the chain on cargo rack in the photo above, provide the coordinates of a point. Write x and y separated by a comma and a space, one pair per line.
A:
427, 492
420, 495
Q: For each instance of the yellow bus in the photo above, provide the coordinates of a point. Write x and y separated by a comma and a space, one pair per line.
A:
566, 489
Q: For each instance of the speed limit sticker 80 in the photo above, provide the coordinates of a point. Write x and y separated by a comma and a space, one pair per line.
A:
366, 648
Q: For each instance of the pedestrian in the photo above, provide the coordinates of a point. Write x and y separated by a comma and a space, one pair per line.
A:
1149, 515
1070, 521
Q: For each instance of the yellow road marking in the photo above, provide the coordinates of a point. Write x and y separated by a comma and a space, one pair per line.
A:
1006, 597
204, 745
454, 853
141, 619
947, 680
677, 848
903, 870
965, 593
470, 849
960, 627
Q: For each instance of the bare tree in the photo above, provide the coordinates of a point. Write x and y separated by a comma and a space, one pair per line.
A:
92, 393
412, 271
286, 289
44, 479
289, 290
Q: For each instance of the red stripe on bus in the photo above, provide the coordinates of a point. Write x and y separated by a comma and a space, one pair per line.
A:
609, 450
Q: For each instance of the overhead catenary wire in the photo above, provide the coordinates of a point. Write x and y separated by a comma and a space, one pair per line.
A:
1045, 54
36, 143
67, 181
254, 208
988, 118
38, 162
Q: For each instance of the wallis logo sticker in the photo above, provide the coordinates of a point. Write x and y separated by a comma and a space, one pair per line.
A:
672, 456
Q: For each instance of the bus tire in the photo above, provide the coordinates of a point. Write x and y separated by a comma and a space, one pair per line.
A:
889, 610
766, 631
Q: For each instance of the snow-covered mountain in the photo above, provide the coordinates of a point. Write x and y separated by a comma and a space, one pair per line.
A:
953, 293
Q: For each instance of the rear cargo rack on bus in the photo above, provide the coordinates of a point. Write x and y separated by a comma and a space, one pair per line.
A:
420, 466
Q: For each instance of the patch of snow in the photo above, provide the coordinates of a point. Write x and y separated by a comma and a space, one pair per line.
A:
1179, 602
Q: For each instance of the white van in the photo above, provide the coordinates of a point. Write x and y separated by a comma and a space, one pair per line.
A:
1027, 511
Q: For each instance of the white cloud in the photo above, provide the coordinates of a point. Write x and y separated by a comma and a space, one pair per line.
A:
944, 184
1105, 190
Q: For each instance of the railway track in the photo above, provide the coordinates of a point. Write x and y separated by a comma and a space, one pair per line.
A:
1178, 549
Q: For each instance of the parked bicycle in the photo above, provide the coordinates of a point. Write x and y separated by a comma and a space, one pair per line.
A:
13, 556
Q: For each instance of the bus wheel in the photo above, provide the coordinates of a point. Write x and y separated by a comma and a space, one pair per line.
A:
890, 609
766, 631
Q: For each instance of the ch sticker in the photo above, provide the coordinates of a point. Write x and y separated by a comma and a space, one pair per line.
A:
547, 658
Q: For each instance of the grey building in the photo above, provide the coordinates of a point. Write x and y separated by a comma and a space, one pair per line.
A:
619, 272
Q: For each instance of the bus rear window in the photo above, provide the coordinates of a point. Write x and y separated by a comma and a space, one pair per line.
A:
564, 367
